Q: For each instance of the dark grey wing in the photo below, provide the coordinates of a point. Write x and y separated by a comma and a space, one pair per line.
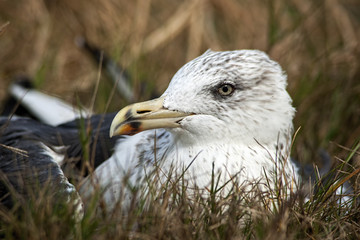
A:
313, 172
26, 170
28, 149
83, 141
320, 177
91, 135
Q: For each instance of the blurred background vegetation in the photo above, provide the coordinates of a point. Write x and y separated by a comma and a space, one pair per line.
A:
316, 43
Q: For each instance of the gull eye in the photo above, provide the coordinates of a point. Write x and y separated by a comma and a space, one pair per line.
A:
226, 89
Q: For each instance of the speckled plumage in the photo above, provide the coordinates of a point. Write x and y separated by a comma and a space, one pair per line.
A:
246, 134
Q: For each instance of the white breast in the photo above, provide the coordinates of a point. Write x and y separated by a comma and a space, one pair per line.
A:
136, 158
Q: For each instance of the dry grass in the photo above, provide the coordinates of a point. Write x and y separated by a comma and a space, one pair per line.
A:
316, 42
167, 210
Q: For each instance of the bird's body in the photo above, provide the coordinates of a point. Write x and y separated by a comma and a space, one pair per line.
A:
224, 114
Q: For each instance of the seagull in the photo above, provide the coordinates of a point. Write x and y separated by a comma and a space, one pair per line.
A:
225, 114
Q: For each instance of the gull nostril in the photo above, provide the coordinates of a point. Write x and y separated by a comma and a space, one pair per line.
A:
142, 111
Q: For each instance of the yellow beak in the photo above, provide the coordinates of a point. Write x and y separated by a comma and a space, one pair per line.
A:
143, 116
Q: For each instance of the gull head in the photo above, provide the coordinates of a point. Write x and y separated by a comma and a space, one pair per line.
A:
230, 96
